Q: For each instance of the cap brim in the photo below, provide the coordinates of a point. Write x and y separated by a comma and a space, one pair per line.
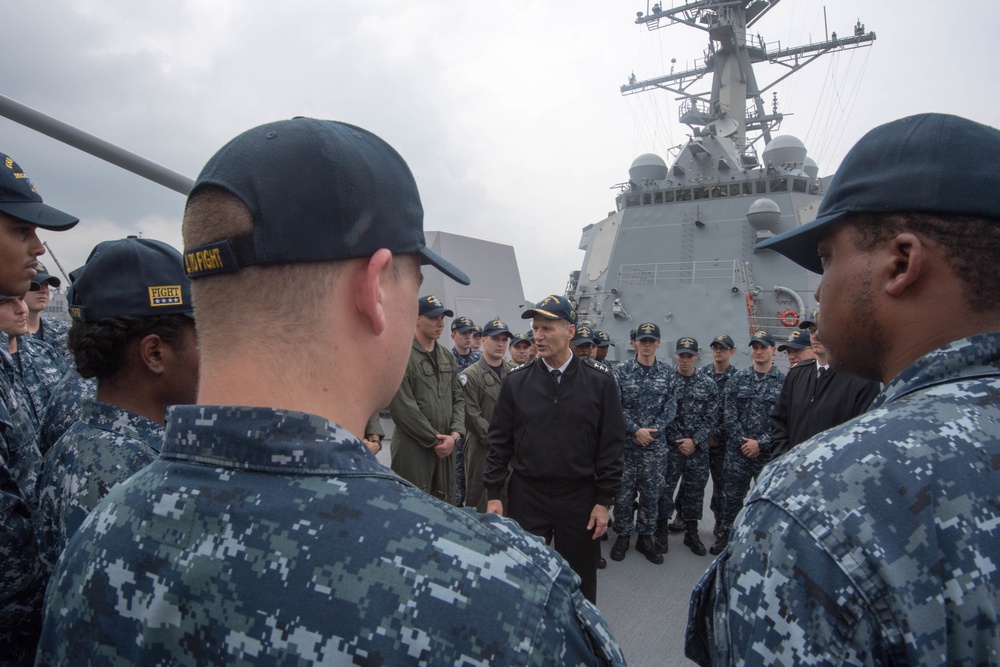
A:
790, 346
438, 311
799, 244
805, 324
39, 214
428, 256
528, 314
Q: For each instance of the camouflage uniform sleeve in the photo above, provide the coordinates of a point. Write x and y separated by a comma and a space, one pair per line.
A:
476, 426
703, 419
21, 578
730, 414
406, 414
775, 597
667, 410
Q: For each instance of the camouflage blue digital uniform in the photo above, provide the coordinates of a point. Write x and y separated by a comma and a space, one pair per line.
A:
104, 448
696, 400
22, 456
21, 578
748, 401
65, 403
55, 333
275, 537
875, 542
38, 367
646, 402
717, 454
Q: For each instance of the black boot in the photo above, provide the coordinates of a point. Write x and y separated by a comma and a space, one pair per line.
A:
646, 545
601, 563
620, 548
676, 526
660, 536
691, 538
721, 541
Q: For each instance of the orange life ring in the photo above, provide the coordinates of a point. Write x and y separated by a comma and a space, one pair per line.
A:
789, 318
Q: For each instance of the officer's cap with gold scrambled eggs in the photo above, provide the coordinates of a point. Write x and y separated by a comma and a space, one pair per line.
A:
552, 307
687, 346
130, 277
647, 331
318, 191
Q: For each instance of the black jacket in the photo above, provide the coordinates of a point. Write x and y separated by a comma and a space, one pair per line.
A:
573, 430
809, 405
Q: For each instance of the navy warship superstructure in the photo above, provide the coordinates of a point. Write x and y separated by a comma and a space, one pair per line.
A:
679, 248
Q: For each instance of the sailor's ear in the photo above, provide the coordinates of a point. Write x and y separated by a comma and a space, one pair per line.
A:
902, 261
370, 290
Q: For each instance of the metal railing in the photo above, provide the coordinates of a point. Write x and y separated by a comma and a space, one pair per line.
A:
659, 273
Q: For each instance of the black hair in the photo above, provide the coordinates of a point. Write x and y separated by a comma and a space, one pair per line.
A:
101, 348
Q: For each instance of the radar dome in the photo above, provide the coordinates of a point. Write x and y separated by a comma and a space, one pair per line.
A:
811, 168
647, 166
763, 215
785, 150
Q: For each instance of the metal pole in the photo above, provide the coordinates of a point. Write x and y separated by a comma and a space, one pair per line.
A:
96, 146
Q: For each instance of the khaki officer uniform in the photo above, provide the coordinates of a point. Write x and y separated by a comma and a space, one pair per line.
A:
428, 402
482, 387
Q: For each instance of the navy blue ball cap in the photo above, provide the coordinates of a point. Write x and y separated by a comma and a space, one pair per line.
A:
131, 277
602, 339
43, 276
583, 336
431, 306
462, 324
687, 345
20, 199
929, 163
497, 328
810, 320
520, 338
762, 337
797, 340
725, 340
318, 191
647, 330
552, 307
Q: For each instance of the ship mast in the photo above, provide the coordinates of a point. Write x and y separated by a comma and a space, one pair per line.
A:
735, 105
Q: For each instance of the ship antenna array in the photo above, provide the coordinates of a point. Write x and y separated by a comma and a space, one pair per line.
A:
731, 53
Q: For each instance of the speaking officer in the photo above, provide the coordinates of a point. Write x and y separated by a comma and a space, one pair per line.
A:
558, 423
481, 382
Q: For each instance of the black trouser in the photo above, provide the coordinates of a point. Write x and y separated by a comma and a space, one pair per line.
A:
558, 511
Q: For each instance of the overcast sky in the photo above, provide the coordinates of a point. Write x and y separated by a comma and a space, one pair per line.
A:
508, 113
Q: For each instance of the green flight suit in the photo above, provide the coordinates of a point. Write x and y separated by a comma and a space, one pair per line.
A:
428, 402
481, 390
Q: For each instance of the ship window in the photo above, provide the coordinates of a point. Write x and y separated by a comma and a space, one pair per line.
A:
669, 196
761, 187
632, 200
799, 185
658, 198
734, 189
683, 195
748, 188
779, 185
701, 193
647, 199
720, 191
